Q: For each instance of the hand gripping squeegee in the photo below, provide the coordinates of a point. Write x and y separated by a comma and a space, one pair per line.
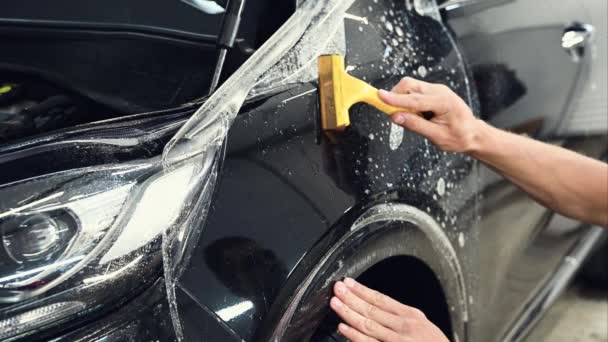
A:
339, 91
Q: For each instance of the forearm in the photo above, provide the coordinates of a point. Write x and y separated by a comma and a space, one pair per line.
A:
569, 183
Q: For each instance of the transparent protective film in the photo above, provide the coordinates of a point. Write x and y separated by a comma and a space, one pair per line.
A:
206, 6
288, 57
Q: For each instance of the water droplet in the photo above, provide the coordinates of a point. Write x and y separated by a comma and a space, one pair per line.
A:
390, 185
422, 71
461, 239
388, 26
366, 191
370, 159
387, 51
360, 29
441, 187
371, 136
399, 31
395, 137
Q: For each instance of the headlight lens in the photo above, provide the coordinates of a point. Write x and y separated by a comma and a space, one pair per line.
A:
81, 235
36, 237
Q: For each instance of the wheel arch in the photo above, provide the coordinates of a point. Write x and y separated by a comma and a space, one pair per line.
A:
387, 234
425, 293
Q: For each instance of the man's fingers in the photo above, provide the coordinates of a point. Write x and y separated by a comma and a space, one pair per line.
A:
364, 325
415, 102
366, 309
376, 298
353, 335
411, 85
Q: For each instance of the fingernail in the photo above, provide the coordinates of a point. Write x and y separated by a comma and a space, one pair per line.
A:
342, 327
349, 282
336, 303
399, 118
383, 92
340, 288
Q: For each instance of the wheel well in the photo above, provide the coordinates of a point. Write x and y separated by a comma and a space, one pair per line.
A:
412, 282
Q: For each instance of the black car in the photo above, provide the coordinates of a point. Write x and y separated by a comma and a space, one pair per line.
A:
138, 202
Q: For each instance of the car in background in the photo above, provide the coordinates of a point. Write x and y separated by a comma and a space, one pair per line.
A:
139, 202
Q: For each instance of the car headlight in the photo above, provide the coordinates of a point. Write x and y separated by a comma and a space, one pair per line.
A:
86, 237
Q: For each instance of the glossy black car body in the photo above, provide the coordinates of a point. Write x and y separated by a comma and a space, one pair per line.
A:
292, 212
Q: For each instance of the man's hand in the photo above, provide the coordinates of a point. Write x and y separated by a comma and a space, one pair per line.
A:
453, 127
571, 184
370, 316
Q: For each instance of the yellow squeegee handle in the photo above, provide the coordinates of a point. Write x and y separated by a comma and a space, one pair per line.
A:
357, 90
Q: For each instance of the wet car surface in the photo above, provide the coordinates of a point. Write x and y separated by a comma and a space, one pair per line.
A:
274, 212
